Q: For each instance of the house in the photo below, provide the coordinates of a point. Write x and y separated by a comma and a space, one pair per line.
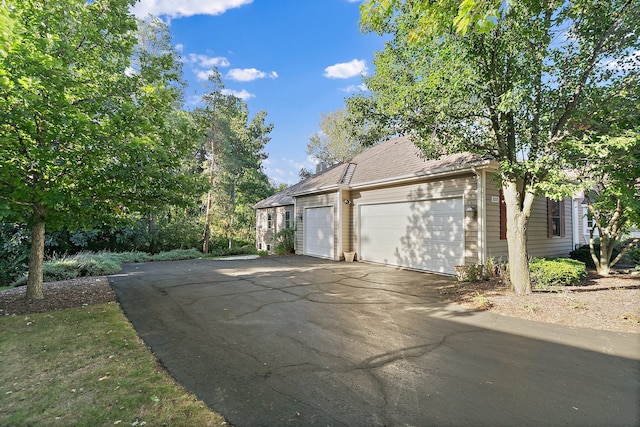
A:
273, 214
391, 206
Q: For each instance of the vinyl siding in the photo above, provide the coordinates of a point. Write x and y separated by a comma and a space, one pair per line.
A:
347, 225
463, 186
302, 202
538, 244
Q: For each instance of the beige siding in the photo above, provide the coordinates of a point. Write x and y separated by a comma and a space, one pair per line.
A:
317, 200
463, 186
539, 245
265, 236
496, 248
347, 225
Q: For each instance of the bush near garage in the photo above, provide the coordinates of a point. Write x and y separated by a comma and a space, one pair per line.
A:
547, 272
285, 241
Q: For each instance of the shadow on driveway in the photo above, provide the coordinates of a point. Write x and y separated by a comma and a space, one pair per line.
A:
302, 341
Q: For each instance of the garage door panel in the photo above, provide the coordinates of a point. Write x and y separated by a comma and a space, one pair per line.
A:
427, 235
319, 234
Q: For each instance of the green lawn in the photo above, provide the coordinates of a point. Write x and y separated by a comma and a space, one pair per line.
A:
87, 367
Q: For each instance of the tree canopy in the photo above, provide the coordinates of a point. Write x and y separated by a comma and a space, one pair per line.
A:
508, 89
333, 143
84, 134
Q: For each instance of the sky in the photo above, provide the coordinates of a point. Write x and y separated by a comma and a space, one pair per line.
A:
294, 59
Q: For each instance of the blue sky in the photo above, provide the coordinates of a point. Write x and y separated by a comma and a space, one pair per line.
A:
294, 59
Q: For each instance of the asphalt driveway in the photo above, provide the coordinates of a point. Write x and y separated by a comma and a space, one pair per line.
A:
303, 341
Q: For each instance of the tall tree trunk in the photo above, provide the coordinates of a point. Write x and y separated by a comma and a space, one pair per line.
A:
207, 222
233, 211
518, 208
36, 255
606, 249
212, 171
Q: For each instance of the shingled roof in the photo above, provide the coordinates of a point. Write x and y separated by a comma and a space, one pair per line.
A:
397, 159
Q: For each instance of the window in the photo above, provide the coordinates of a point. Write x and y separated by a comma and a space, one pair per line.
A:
287, 219
587, 224
555, 218
503, 218
269, 220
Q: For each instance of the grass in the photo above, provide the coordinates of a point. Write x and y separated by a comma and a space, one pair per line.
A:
87, 367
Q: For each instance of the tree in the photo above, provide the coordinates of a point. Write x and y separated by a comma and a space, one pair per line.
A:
83, 135
333, 143
612, 195
507, 89
233, 154
304, 173
604, 150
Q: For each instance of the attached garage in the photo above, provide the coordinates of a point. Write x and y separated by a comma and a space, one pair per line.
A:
423, 234
319, 231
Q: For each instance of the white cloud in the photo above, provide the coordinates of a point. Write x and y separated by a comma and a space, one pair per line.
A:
355, 88
286, 170
179, 47
202, 75
202, 65
193, 100
249, 74
242, 94
185, 8
205, 61
346, 70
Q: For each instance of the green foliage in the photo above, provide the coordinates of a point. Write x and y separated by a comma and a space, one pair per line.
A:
88, 131
285, 241
507, 82
177, 254
14, 252
231, 152
127, 257
583, 254
470, 273
333, 143
263, 254
102, 264
631, 257
547, 272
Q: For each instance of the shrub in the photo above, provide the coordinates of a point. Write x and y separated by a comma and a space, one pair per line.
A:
556, 272
631, 257
583, 254
60, 269
81, 264
177, 254
469, 273
263, 253
14, 252
285, 239
127, 257
96, 265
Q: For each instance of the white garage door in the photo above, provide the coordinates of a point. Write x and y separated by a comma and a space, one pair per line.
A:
318, 232
426, 235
